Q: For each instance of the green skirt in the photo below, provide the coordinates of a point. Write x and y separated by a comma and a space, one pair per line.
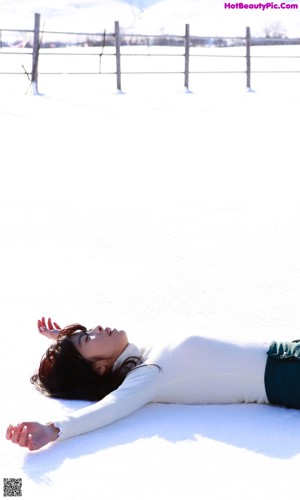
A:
282, 375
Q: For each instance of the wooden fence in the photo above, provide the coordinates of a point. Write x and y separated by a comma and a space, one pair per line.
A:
118, 39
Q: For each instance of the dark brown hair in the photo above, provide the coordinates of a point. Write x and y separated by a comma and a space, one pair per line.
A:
64, 373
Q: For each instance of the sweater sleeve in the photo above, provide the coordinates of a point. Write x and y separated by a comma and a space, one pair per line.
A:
138, 389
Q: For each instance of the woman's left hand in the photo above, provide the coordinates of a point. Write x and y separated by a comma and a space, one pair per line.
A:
51, 330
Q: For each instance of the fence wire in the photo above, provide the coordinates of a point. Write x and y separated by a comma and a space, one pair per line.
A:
60, 53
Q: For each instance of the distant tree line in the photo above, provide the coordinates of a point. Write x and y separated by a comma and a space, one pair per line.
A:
273, 34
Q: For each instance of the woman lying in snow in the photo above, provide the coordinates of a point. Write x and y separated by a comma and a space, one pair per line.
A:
101, 365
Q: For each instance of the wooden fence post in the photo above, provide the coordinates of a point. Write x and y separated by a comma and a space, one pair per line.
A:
118, 55
35, 54
186, 57
248, 58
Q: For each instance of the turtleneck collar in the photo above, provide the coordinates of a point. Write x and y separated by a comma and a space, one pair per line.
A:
130, 351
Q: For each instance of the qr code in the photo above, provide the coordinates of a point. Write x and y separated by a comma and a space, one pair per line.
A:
12, 487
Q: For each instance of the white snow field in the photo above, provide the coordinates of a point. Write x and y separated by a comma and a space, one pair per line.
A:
164, 213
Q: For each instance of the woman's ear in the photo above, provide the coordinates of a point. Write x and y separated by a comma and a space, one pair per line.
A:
99, 367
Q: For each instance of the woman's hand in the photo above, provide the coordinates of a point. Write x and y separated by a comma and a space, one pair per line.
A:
49, 331
32, 435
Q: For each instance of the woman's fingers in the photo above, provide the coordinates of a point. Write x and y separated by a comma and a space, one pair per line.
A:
16, 433
9, 431
50, 326
23, 438
19, 435
41, 324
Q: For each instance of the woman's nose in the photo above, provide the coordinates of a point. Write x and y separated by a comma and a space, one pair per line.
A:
97, 329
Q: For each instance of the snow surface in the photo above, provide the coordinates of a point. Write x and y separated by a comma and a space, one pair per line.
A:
161, 212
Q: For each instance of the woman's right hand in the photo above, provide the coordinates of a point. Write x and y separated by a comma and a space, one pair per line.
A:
32, 435
51, 330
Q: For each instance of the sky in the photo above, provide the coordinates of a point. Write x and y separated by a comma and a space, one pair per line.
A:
206, 17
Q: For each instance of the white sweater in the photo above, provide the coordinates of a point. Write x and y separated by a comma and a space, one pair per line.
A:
196, 370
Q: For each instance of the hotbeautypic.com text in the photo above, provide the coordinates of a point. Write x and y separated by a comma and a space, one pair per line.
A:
261, 6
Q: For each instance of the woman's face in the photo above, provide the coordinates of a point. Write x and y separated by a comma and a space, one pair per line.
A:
100, 343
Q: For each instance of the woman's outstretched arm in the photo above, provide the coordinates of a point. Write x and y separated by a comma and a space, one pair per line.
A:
138, 389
